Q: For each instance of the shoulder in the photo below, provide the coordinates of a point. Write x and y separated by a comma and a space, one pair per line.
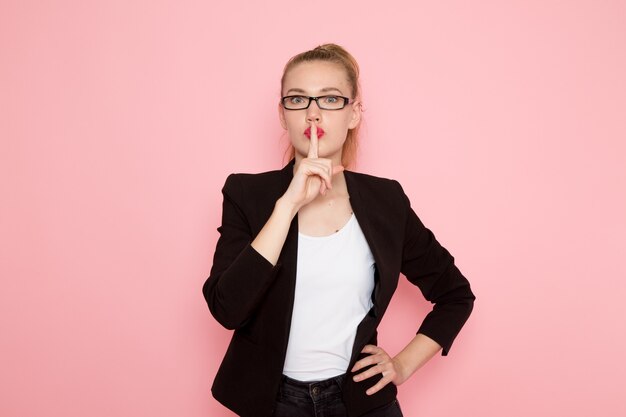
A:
246, 179
380, 194
256, 190
376, 184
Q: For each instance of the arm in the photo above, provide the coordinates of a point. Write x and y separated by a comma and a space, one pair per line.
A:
242, 270
429, 266
307, 183
270, 240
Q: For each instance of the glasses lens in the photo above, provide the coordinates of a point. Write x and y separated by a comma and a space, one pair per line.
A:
295, 102
331, 102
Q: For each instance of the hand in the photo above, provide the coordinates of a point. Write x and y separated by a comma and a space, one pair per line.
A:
390, 368
313, 176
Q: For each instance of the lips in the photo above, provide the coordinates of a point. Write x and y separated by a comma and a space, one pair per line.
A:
320, 132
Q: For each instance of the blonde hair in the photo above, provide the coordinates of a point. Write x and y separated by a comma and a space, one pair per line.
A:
331, 52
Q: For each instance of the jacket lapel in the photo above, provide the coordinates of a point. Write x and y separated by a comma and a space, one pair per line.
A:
367, 219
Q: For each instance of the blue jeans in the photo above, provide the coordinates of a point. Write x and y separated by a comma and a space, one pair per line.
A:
320, 399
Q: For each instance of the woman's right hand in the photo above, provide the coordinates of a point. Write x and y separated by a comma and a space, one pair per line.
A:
313, 176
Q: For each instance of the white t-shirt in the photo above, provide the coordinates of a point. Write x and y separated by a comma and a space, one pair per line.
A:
334, 284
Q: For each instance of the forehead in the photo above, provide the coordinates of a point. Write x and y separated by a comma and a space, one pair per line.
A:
314, 76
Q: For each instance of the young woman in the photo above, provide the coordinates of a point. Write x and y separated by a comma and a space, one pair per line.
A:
308, 259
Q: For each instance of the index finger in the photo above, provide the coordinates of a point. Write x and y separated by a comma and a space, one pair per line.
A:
313, 144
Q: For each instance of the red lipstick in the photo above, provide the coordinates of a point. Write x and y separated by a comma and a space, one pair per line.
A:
320, 132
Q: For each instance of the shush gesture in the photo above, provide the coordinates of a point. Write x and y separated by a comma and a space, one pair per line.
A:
251, 287
313, 175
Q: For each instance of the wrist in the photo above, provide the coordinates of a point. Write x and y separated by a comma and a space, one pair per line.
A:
402, 369
284, 206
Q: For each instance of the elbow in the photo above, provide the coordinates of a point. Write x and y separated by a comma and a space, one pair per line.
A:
464, 300
469, 305
470, 299
465, 306
227, 319
456, 290
459, 303
226, 316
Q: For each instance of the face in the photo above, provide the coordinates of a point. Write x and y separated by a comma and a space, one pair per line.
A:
319, 78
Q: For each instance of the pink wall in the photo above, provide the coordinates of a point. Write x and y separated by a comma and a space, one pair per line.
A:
120, 120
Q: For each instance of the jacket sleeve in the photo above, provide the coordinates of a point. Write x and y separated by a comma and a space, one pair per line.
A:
429, 266
240, 275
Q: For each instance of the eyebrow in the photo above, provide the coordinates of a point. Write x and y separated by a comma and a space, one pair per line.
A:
323, 90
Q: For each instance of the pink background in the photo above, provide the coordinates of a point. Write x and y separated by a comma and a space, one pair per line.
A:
120, 120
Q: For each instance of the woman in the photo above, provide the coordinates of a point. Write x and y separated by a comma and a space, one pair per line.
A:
308, 259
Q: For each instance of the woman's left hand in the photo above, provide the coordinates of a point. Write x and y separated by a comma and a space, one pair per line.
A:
389, 367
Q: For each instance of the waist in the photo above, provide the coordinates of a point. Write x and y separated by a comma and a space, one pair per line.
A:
312, 389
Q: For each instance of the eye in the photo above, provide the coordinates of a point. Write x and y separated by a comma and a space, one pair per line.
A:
331, 99
296, 100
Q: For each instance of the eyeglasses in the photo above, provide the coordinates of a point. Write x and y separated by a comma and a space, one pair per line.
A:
323, 102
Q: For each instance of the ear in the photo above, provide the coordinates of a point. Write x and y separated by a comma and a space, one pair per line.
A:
356, 114
281, 116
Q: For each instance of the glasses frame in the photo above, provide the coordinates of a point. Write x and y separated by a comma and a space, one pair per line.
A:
311, 99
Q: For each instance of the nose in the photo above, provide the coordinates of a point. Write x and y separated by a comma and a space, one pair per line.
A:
313, 112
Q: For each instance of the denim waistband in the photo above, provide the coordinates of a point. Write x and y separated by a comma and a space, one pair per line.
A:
312, 389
